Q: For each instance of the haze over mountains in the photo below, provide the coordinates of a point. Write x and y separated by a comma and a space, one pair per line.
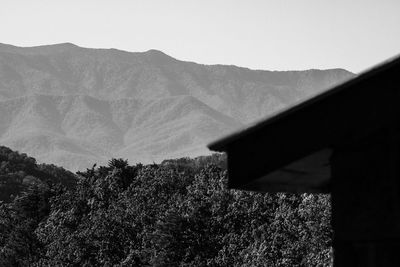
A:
75, 106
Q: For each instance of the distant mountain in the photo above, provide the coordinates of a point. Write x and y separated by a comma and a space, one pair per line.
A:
75, 106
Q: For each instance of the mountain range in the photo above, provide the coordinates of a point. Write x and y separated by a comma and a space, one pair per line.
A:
75, 106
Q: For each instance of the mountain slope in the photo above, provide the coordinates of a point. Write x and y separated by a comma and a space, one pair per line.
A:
74, 106
77, 131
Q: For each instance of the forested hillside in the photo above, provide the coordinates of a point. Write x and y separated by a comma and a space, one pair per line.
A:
19, 171
177, 213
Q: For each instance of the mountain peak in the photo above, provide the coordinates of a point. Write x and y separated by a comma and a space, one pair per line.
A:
65, 45
155, 52
39, 49
54, 47
157, 56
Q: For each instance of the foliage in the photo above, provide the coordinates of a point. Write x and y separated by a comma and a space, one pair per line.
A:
177, 213
18, 171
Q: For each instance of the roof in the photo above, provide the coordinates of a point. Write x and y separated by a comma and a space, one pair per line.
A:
293, 147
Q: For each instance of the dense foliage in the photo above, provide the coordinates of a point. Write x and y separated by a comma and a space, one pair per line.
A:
18, 171
177, 213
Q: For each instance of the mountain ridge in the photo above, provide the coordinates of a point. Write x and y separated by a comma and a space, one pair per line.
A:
153, 51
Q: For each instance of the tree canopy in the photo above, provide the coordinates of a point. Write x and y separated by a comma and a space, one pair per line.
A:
18, 171
177, 213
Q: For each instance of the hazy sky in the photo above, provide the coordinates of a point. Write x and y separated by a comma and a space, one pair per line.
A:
264, 34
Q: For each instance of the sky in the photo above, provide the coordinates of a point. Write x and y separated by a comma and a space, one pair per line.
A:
258, 34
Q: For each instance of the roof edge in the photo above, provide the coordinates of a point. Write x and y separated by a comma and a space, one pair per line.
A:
221, 144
